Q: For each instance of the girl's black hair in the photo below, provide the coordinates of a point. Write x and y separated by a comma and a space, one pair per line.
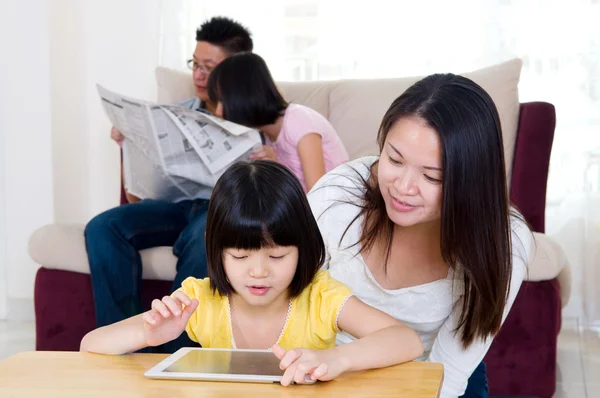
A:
246, 90
260, 204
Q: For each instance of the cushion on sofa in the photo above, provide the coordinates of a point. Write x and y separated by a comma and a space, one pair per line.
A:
356, 107
62, 246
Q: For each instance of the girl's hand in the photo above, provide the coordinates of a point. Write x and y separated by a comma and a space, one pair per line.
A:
167, 319
266, 152
304, 366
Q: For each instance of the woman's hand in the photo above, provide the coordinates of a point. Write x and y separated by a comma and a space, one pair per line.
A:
304, 366
167, 319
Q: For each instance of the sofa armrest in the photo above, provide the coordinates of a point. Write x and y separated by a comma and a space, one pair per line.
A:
62, 247
548, 261
537, 121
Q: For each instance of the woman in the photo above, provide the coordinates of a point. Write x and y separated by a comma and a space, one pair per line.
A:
425, 231
298, 137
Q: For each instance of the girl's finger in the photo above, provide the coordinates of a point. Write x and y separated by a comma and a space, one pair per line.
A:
289, 358
189, 310
148, 318
288, 376
161, 308
156, 315
320, 372
299, 376
181, 296
278, 351
174, 306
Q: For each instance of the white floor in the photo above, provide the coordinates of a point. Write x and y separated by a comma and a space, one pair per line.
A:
16, 337
578, 355
578, 361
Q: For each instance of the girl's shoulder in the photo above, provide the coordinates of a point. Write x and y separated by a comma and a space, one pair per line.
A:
301, 111
299, 120
324, 293
324, 282
199, 289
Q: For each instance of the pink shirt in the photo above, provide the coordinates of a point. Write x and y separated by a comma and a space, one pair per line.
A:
298, 121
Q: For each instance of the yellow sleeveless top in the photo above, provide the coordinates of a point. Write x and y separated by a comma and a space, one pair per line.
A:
311, 323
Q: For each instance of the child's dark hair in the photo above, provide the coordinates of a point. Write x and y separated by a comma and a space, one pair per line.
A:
246, 90
260, 204
226, 33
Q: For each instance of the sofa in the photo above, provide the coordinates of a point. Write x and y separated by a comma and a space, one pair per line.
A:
522, 359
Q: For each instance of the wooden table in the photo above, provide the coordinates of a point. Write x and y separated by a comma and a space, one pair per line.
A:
74, 374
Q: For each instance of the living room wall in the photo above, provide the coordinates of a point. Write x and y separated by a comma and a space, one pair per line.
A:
112, 43
59, 162
25, 125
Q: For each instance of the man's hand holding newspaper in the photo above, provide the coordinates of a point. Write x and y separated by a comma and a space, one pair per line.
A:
173, 153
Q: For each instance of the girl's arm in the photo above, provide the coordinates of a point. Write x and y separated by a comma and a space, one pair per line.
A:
310, 150
381, 339
119, 338
164, 322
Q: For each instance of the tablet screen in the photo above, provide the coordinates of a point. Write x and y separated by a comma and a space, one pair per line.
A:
227, 362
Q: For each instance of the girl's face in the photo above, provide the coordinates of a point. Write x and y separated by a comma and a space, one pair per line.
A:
410, 173
262, 276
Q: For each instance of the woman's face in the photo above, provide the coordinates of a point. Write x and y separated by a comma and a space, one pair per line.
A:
410, 173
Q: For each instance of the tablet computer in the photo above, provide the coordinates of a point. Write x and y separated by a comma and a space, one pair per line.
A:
214, 364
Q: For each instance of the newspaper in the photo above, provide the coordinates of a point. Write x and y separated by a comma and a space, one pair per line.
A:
171, 152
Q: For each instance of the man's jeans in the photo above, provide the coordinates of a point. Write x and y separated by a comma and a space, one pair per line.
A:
114, 238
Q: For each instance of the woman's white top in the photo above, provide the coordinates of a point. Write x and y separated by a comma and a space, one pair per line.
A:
432, 309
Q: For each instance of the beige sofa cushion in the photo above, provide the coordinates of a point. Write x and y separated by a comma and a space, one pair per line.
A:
358, 106
315, 95
62, 246
355, 107
173, 85
176, 86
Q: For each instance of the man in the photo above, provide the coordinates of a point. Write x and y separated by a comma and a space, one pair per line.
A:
114, 238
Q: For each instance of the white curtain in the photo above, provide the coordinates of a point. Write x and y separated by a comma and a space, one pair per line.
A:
559, 42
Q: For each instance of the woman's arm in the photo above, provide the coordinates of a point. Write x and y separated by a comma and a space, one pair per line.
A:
447, 349
310, 151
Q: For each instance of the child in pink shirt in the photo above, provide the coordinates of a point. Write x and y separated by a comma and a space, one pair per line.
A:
296, 136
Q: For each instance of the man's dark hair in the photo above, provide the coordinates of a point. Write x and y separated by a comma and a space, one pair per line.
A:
226, 33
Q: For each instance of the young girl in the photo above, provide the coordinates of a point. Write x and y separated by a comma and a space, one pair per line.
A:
265, 289
297, 136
